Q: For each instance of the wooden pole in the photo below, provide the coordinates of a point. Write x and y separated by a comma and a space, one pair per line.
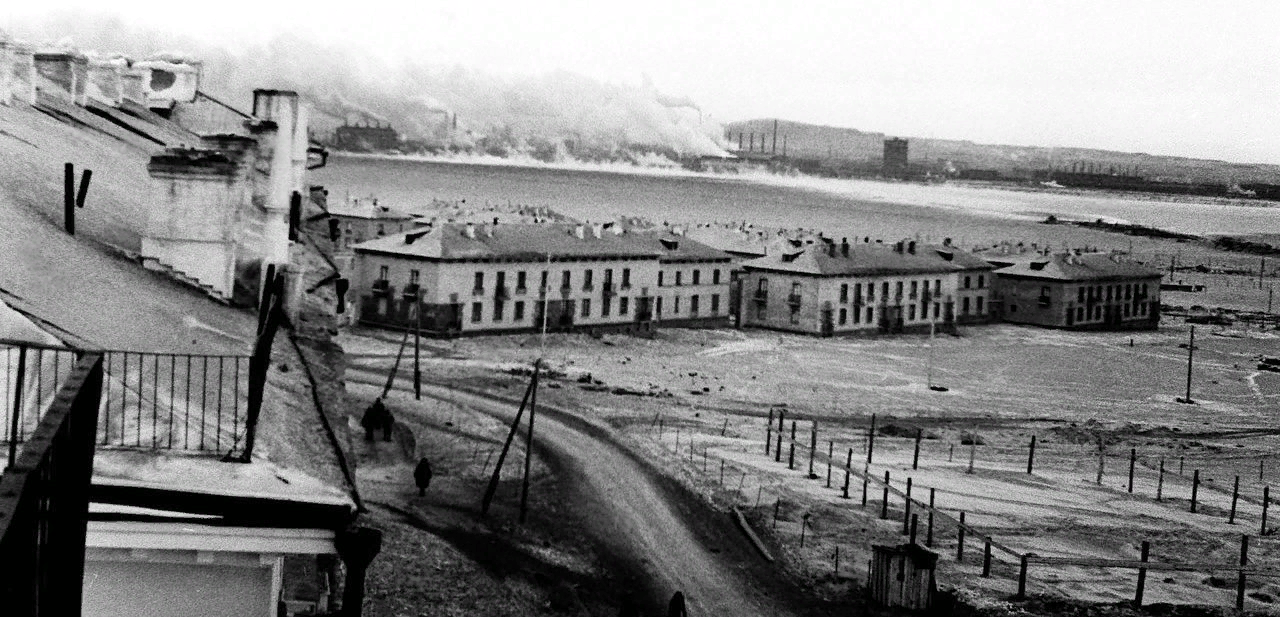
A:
768, 433
1031, 454
1191, 346
1244, 561
83, 192
1160, 482
951, 453
884, 501
502, 455
871, 439
417, 336
915, 459
1022, 578
928, 538
906, 509
69, 198
528, 449
1133, 461
777, 454
960, 540
791, 456
986, 558
831, 445
866, 480
721, 469
1266, 504
1102, 457
848, 464
1235, 497
915, 521
813, 448
777, 505
1142, 575
1195, 489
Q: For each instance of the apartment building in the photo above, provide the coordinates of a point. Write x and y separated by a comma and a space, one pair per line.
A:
363, 219
1090, 291
693, 286
473, 279
832, 289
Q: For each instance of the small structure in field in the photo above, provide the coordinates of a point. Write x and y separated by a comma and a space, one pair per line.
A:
902, 576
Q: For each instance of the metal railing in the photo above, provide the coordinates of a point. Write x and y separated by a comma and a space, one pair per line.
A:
44, 501
155, 401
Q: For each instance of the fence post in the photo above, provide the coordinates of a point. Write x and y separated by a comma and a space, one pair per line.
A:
69, 198
1266, 503
906, 509
928, 538
986, 558
1142, 575
813, 448
884, 503
768, 433
721, 469
777, 453
1160, 482
791, 456
915, 459
866, 479
1195, 490
1022, 578
848, 462
951, 454
1235, 497
831, 446
17, 405
1133, 461
915, 520
1182, 460
871, 439
960, 540
1244, 561
1102, 458
1031, 455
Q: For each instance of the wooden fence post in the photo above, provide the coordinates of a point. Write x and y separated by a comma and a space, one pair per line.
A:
1022, 578
915, 520
813, 448
1160, 482
791, 456
777, 505
1133, 461
915, 459
1244, 561
1182, 460
831, 446
1266, 503
884, 503
871, 439
951, 454
848, 462
1142, 575
928, 538
986, 558
1235, 497
866, 479
1195, 490
721, 470
1031, 455
960, 540
1102, 458
777, 453
768, 434
906, 509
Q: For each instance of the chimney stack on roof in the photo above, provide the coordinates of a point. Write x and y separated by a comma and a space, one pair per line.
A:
595, 230
844, 247
579, 232
470, 231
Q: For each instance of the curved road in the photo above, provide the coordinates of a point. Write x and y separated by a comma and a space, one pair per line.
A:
636, 515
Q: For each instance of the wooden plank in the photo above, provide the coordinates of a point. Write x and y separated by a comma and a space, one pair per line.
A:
1151, 565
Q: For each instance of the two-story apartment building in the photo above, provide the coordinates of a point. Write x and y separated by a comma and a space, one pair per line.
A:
693, 283
845, 289
472, 279
363, 219
1091, 291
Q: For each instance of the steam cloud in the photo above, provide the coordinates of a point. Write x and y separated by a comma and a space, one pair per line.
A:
569, 113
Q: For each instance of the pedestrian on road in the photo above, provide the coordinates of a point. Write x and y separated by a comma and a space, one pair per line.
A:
422, 476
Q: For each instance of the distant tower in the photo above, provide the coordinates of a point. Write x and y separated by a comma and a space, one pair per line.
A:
895, 158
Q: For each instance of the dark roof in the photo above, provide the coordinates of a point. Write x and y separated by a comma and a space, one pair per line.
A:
516, 241
922, 558
1086, 267
867, 260
371, 212
678, 248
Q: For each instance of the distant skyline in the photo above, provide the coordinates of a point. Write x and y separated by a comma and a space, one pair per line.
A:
1168, 78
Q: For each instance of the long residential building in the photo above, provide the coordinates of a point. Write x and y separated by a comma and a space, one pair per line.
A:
474, 279
1091, 291
832, 289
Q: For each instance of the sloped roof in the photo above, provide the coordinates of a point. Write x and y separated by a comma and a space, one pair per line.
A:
729, 240
384, 213
1086, 267
675, 247
520, 242
867, 260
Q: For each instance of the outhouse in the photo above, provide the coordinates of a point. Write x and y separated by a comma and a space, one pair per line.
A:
902, 576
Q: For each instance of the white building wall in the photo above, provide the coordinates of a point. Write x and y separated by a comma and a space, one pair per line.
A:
191, 228
677, 298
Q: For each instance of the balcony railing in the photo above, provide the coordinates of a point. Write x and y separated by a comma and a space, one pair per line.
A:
793, 299
1043, 300
411, 290
761, 296
381, 285
522, 290
608, 290
477, 291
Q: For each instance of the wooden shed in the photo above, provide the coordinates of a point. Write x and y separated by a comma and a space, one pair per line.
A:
902, 576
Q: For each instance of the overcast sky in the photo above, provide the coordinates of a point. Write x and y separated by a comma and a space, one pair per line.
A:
1168, 77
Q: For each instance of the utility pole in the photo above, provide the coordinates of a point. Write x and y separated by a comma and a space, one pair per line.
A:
1191, 346
528, 448
417, 335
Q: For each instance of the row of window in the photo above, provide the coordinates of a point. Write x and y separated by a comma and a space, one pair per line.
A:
898, 288
697, 278
979, 308
1129, 290
606, 306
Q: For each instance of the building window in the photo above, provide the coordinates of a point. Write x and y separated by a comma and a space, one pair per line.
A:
660, 279
966, 282
586, 280
622, 305
884, 290
413, 277
1126, 310
857, 294
1080, 313
1128, 291
763, 285
605, 306
844, 293
497, 310
693, 305
383, 272
715, 303
715, 276
857, 315
871, 292
897, 290
937, 309
678, 275
381, 230
519, 316
543, 286
520, 282
795, 317
870, 315
608, 277
980, 303
844, 316
586, 307
761, 315
1080, 295
566, 279
981, 281
911, 312
697, 276
1097, 312
659, 311
915, 289
964, 306
1013, 308
476, 308
937, 287
675, 305
479, 285
924, 310
626, 277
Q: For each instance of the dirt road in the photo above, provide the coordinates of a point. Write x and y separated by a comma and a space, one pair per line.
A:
633, 513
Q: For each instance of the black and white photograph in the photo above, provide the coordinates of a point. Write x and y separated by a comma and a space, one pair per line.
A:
639, 309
